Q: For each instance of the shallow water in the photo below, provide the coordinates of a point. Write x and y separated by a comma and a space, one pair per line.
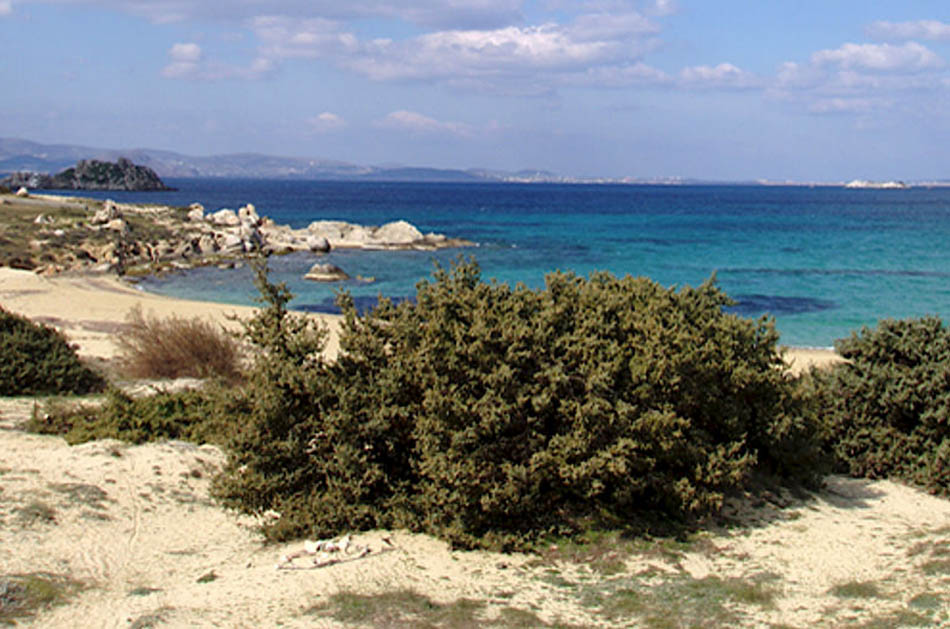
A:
822, 261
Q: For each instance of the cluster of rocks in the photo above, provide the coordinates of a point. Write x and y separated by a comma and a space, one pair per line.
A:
223, 237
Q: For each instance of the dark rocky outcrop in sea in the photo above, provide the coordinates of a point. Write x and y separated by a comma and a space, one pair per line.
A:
92, 174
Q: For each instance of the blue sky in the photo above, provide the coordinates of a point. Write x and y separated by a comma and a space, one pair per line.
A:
805, 91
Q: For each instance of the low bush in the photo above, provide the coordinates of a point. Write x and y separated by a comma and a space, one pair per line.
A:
37, 359
494, 416
175, 347
204, 416
887, 411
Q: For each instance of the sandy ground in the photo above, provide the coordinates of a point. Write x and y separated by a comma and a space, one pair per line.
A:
135, 525
89, 309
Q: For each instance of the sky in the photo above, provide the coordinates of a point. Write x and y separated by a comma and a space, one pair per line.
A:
711, 89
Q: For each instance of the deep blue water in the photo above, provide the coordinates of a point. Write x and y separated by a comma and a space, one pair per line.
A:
822, 261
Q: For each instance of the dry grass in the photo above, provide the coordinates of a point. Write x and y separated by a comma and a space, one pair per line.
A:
150, 347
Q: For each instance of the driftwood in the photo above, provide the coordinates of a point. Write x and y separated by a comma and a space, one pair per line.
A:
327, 552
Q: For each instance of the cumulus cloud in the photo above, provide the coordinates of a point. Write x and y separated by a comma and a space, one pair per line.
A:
187, 62
6, 7
414, 122
326, 122
185, 59
724, 75
508, 59
880, 57
902, 31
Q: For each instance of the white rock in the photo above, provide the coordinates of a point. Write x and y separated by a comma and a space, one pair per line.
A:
196, 215
207, 244
23, 192
109, 212
322, 272
225, 217
248, 215
119, 225
318, 244
397, 233
231, 243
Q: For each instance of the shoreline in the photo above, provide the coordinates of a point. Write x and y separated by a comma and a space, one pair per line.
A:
90, 308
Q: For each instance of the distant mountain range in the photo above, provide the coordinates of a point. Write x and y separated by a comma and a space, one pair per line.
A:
23, 155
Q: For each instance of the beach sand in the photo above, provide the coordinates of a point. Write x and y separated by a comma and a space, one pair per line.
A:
89, 309
135, 526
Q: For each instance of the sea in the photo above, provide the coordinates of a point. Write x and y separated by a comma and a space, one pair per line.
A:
823, 262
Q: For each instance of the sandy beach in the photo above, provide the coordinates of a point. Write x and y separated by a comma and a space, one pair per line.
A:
135, 529
89, 309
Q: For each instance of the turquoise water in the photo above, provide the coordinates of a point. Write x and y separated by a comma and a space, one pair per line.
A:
822, 261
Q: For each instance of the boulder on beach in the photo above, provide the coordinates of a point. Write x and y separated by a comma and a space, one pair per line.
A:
108, 213
324, 272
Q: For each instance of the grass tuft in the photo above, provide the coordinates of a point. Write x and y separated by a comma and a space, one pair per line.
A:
150, 347
23, 596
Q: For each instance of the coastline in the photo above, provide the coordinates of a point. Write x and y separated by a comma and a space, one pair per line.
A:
90, 308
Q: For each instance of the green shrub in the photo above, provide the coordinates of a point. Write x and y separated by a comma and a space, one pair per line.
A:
887, 409
36, 359
493, 416
175, 347
203, 416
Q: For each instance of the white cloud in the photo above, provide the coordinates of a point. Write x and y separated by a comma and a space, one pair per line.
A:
414, 122
326, 122
187, 62
724, 75
902, 31
910, 57
6, 7
185, 58
664, 7
844, 106
617, 76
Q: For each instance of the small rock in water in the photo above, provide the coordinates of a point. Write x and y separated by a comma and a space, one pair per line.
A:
323, 272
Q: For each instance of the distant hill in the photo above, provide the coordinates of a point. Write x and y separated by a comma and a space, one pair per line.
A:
24, 155
91, 174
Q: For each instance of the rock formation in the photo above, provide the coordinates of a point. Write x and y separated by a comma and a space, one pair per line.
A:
67, 233
92, 174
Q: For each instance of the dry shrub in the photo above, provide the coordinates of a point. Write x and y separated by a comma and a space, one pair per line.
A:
175, 347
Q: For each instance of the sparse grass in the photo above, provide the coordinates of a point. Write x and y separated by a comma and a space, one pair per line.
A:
143, 591
82, 493
401, 608
35, 512
673, 601
900, 618
156, 618
857, 589
935, 567
926, 601
23, 596
208, 577
175, 347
